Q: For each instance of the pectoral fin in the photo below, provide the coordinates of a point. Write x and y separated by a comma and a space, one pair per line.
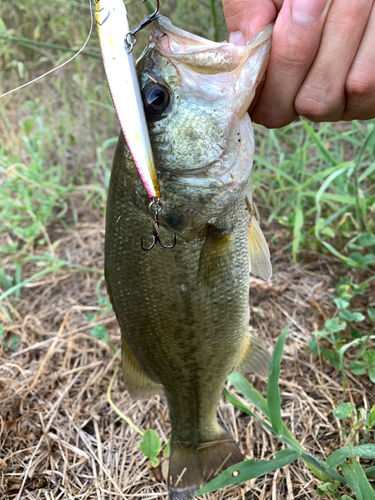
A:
138, 384
254, 356
215, 256
259, 254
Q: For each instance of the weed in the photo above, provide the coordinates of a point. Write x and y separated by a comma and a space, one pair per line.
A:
348, 343
342, 460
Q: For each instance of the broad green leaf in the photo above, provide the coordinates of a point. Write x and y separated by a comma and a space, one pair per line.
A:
324, 335
367, 239
100, 332
150, 445
357, 367
333, 325
313, 345
332, 357
369, 358
344, 411
352, 316
341, 303
327, 231
154, 462
371, 374
273, 393
249, 469
357, 480
328, 487
371, 314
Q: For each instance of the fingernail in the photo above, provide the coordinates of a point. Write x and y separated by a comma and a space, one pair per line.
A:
308, 11
237, 38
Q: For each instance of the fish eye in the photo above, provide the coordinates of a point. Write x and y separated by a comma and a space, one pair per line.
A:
156, 98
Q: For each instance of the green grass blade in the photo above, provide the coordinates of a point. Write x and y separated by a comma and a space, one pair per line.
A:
369, 170
319, 143
370, 471
61, 48
278, 171
249, 469
273, 393
15, 288
357, 480
320, 469
255, 398
298, 225
338, 456
235, 402
325, 173
340, 198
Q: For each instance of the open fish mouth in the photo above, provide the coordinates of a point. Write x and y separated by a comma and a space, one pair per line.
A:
196, 94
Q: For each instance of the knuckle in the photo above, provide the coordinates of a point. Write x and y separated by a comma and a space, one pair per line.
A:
360, 84
289, 61
312, 105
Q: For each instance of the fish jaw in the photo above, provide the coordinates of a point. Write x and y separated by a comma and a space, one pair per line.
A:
112, 24
203, 143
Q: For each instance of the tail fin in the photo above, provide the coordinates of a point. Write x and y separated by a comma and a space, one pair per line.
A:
190, 469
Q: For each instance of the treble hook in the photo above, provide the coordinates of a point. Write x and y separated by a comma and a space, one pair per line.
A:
155, 206
130, 38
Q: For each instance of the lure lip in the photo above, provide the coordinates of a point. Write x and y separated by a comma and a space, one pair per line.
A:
119, 65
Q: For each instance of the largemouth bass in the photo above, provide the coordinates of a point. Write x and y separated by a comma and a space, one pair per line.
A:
184, 313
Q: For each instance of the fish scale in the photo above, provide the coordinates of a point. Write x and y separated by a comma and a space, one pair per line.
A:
183, 313
186, 336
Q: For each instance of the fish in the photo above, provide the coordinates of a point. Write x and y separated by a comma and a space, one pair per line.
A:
113, 28
184, 313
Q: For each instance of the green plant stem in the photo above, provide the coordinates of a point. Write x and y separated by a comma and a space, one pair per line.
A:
27, 41
114, 407
214, 21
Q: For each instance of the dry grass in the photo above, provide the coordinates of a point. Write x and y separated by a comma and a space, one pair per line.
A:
59, 438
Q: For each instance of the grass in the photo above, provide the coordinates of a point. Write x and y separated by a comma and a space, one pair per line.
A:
314, 192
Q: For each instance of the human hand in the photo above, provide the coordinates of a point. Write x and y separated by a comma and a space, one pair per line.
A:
322, 61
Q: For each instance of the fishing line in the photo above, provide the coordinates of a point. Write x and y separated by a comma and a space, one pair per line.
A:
61, 65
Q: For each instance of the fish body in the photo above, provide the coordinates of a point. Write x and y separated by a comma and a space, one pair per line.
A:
184, 312
112, 24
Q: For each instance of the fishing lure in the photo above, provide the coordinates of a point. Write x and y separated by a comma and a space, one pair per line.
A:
116, 43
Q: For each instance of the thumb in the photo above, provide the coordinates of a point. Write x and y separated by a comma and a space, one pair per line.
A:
248, 17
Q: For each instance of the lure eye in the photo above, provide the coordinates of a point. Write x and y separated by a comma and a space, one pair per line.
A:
155, 98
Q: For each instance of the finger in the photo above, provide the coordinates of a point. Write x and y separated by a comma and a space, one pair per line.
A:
322, 94
249, 16
360, 84
295, 43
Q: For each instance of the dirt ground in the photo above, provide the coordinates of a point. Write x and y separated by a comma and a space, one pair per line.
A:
60, 439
